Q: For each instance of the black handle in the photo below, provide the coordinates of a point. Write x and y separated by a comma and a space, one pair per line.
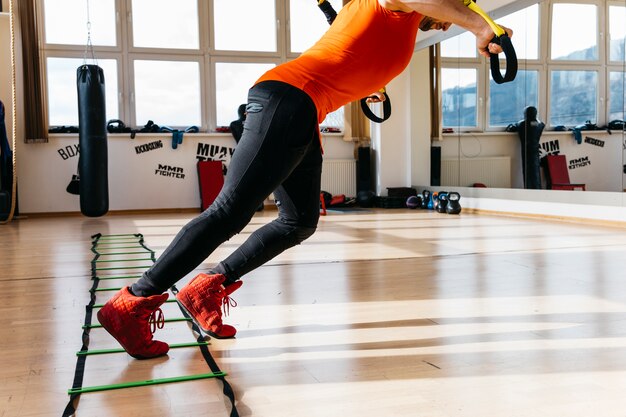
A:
370, 114
511, 60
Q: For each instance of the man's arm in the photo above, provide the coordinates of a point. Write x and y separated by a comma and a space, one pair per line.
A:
453, 11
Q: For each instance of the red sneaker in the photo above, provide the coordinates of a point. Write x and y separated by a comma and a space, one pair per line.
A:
132, 320
203, 298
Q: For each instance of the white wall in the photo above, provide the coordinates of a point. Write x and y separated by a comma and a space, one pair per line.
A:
137, 181
420, 117
391, 140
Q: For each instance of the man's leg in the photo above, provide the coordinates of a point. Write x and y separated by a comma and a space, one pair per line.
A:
297, 200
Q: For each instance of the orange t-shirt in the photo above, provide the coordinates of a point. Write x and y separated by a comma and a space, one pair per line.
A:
365, 48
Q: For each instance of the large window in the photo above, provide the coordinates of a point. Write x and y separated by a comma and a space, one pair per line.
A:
177, 63
617, 61
66, 22
245, 25
229, 76
180, 31
574, 32
155, 99
62, 94
617, 33
508, 99
573, 97
461, 46
459, 99
617, 97
305, 26
570, 73
526, 36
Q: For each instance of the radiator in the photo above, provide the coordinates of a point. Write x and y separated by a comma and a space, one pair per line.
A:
339, 176
494, 172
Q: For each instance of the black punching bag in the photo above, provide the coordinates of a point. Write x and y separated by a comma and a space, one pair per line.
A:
529, 131
92, 139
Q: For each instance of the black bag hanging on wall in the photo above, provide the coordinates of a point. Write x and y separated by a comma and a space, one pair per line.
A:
6, 169
92, 140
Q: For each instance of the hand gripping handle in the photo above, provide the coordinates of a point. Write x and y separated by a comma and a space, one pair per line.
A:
502, 39
511, 60
370, 114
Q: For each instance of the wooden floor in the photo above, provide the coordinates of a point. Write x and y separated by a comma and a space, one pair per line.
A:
380, 313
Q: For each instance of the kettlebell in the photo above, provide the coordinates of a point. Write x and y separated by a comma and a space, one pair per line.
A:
443, 202
454, 205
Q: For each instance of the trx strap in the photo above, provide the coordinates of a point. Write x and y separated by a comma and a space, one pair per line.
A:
502, 39
328, 10
331, 14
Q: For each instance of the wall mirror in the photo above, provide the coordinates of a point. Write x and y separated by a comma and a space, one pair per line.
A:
560, 123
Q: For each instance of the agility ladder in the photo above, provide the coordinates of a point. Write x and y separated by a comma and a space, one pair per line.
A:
130, 244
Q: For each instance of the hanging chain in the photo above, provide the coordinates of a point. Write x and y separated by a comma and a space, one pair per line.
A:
89, 46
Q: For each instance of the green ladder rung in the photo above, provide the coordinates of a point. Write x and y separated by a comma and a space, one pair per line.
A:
107, 289
119, 350
122, 260
113, 241
109, 277
102, 305
97, 326
121, 236
145, 383
126, 247
124, 253
116, 242
112, 268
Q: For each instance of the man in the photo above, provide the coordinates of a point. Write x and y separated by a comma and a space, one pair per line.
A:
369, 43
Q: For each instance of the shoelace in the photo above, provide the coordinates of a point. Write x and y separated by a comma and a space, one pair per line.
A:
227, 303
156, 320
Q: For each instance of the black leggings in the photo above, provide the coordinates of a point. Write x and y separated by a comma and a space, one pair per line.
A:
279, 152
